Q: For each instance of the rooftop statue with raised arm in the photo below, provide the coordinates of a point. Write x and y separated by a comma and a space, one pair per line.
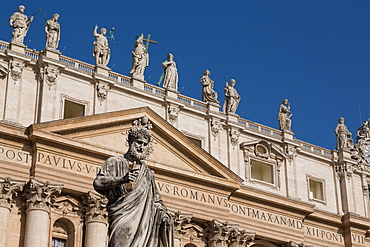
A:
101, 47
20, 24
136, 212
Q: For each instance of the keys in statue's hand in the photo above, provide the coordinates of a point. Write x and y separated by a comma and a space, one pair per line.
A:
131, 175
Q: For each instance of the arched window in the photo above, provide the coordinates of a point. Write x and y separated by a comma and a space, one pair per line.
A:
262, 243
63, 233
190, 245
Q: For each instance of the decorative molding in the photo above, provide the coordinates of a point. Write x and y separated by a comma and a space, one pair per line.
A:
50, 76
291, 153
16, 69
344, 170
173, 112
9, 189
220, 234
234, 137
180, 220
40, 194
215, 127
294, 244
94, 206
102, 91
67, 205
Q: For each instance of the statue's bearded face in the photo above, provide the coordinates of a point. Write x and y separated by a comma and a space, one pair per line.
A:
139, 148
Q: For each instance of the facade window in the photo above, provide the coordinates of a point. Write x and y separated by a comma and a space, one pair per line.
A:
262, 172
72, 109
196, 141
63, 233
56, 242
316, 189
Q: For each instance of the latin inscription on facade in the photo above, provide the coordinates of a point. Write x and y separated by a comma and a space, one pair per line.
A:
14, 155
250, 212
67, 163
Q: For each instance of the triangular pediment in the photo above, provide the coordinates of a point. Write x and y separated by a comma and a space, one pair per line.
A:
173, 151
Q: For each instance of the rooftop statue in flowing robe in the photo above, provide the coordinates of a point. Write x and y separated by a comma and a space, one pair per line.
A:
284, 116
20, 24
232, 98
140, 58
52, 29
208, 94
137, 214
344, 137
170, 73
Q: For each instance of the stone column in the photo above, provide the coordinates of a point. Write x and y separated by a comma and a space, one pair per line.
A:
39, 196
9, 189
96, 219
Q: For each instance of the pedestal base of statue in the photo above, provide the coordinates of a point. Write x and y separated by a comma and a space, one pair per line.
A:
232, 118
102, 69
51, 53
17, 47
287, 135
344, 155
138, 82
171, 93
213, 107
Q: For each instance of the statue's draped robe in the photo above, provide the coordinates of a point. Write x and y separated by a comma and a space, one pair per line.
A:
170, 75
20, 27
208, 94
232, 99
284, 117
137, 218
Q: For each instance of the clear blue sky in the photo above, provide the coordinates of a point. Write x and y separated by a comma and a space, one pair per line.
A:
313, 52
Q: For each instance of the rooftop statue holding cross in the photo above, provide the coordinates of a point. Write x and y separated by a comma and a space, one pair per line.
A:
140, 56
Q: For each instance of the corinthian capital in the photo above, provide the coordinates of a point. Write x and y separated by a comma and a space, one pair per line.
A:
220, 234
95, 206
40, 194
9, 189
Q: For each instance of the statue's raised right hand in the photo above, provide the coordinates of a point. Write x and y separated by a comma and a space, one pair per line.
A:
131, 175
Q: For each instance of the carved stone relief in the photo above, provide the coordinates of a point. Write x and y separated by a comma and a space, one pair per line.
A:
16, 69
9, 189
40, 194
173, 112
102, 92
49, 75
67, 205
224, 234
291, 153
215, 127
94, 206
294, 244
234, 137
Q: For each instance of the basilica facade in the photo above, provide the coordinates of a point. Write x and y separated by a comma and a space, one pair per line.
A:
227, 181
